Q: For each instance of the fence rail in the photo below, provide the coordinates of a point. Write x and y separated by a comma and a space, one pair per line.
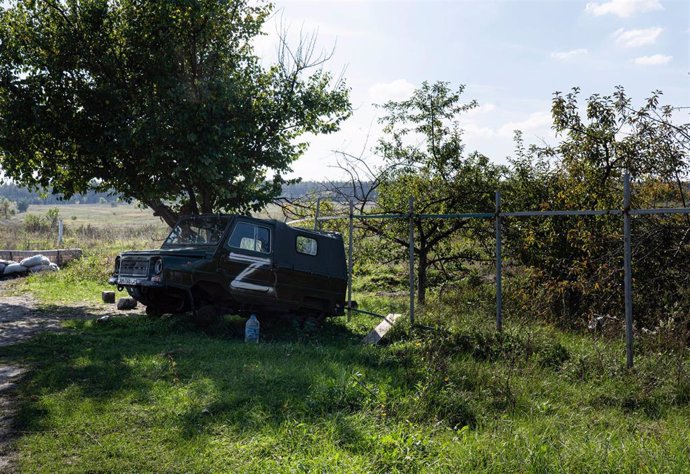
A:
626, 212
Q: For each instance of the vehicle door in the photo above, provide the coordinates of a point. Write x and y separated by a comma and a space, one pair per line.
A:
247, 260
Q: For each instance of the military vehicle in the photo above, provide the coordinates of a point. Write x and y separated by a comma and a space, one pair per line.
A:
216, 264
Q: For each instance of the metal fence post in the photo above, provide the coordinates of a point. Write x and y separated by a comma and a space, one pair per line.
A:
411, 260
499, 266
60, 232
349, 263
316, 214
627, 269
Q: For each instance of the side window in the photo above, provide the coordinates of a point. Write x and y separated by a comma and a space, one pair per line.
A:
248, 236
306, 245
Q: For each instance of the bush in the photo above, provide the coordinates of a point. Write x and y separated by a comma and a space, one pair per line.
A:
6, 208
33, 223
22, 205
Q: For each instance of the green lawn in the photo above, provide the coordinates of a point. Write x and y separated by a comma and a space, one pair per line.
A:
141, 395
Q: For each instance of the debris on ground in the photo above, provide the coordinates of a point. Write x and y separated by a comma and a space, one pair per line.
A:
379, 331
33, 264
108, 296
126, 303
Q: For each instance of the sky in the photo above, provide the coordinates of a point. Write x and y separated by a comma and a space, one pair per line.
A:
510, 55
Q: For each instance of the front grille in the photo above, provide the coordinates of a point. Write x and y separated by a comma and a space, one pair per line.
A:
134, 266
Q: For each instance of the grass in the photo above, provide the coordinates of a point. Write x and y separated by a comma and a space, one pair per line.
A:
141, 395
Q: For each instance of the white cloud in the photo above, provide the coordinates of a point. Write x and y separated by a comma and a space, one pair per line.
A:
623, 8
481, 110
653, 60
634, 38
472, 131
568, 55
397, 90
537, 123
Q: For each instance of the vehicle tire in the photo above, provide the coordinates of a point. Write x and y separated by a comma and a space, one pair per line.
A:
206, 315
312, 322
153, 312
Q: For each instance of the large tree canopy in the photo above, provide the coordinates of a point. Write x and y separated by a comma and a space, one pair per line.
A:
161, 100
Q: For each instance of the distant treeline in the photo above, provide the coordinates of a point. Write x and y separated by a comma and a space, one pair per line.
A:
338, 190
19, 194
292, 191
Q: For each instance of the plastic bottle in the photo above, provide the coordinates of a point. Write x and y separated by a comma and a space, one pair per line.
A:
251, 329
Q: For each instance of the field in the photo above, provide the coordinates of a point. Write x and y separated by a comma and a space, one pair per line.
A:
98, 215
136, 394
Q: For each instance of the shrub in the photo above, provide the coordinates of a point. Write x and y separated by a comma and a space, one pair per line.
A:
33, 223
6, 208
22, 205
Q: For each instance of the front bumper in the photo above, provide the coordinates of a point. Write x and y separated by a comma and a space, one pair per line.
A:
132, 281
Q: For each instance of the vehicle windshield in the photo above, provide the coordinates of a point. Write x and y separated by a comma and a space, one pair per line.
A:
206, 230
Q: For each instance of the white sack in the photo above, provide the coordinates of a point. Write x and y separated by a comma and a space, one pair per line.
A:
14, 268
33, 261
40, 268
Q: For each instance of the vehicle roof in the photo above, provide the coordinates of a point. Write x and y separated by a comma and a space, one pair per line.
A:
275, 222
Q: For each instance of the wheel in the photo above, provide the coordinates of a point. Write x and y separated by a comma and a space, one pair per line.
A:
312, 322
206, 315
153, 312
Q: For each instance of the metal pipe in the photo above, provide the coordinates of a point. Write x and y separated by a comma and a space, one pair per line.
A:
357, 310
349, 263
382, 216
316, 214
605, 212
486, 215
627, 269
411, 206
499, 266
467, 215
669, 210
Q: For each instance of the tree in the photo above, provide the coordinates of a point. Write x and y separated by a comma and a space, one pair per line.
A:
23, 205
424, 157
163, 101
574, 263
6, 208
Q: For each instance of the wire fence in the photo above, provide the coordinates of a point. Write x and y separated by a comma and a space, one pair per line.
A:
498, 216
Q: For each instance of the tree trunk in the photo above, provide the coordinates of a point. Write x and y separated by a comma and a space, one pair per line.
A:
164, 212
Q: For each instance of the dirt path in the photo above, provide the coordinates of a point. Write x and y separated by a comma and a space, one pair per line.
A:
19, 321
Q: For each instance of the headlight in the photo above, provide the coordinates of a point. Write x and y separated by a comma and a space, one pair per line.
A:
158, 267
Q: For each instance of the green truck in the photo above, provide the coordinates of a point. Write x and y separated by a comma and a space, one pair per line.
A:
217, 264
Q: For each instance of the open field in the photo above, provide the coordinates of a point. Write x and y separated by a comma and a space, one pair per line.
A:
98, 215
99, 227
137, 394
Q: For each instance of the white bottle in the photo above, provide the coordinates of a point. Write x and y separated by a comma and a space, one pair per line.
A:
251, 329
